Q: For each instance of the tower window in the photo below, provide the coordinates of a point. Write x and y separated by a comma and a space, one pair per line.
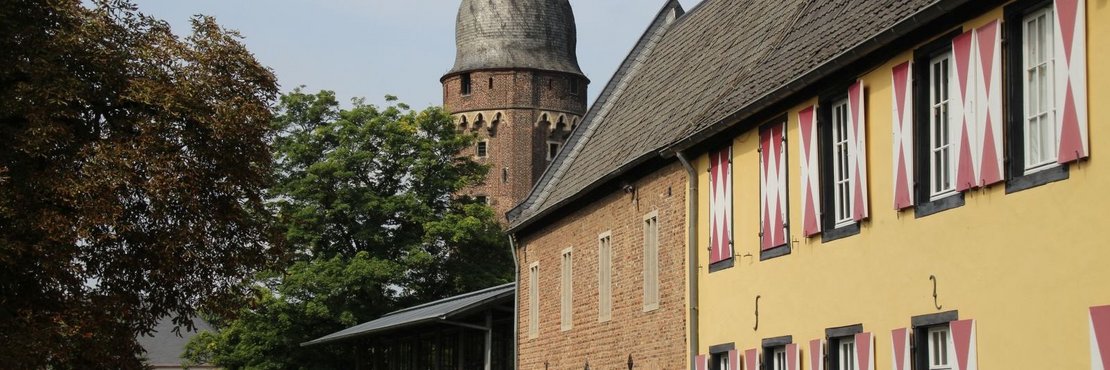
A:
464, 86
491, 83
552, 149
482, 149
573, 85
505, 175
482, 199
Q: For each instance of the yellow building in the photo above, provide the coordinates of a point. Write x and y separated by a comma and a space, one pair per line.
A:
931, 198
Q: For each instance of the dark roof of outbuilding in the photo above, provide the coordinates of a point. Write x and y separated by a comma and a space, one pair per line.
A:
443, 309
716, 60
535, 34
164, 347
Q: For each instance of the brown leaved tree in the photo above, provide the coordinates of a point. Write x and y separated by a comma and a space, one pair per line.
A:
132, 170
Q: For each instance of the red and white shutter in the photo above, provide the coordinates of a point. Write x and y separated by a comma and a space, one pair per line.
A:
817, 355
962, 107
720, 205
903, 135
793, 357
772, 185
988, 97
751, 360
811, 201
963, 340
1071, 79
865, 351
701, 362
734, 359
1100, 338
900, 346
857, 154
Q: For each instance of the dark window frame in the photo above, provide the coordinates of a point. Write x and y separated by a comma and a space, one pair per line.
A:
717, 351
481, 149
833, 336
826, 181
922, 58
784, 249
921, 325
1013, 68
573, 86
770, 345
465, 84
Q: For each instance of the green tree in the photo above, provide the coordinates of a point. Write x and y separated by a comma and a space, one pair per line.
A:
132, 170
365, 197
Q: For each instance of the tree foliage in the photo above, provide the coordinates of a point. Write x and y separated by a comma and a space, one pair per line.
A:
365, 197
132, 168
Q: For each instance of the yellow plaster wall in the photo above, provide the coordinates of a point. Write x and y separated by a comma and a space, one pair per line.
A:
1026, 265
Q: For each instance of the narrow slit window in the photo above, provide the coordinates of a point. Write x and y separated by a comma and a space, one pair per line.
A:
941, 169
464, 84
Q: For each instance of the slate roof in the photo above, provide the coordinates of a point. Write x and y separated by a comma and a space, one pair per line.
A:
443, 309
537, 34
718, 59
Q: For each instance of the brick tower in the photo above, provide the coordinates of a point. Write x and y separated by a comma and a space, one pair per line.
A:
516, 84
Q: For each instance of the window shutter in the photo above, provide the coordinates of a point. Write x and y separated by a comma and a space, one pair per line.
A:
720, 205
865, 351
1100, 338
772, 185
793, 357
963, 338
807, 147
903, 135
734, 359
701, 362
751, 360
817, 355
857, 134
900, 345
963, 109
988, 95
1071, 79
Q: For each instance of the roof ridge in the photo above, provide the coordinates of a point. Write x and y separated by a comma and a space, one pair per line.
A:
452, 298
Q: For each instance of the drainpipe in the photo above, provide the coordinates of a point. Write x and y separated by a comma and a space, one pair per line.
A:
692, 246
516, 298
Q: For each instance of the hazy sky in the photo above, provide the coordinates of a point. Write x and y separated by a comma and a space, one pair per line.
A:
370, 48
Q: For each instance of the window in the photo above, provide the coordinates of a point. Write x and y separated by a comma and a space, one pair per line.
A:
722, 356
566, 291
841, 165
482, 149
605, 277
552, 150
938, 348
482, 199
846, 349
533, 300
1038, 98
572, 85
505, 175
778, 357
491, 83
651, 261
941, 171
1035, 101
464, 84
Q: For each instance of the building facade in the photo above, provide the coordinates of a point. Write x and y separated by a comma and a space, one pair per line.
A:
517, 86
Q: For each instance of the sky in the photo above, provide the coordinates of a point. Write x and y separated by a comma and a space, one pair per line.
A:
371, 48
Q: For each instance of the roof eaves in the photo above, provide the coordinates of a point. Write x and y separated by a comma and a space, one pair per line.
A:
613, 90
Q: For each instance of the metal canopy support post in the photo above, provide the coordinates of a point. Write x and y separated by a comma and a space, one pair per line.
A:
489, 340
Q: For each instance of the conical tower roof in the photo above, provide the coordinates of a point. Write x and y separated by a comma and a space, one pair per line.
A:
534, 34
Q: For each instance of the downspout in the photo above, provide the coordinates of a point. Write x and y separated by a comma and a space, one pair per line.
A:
516, 298
692, 246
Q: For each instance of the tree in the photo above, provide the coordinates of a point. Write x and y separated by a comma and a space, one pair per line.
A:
365, 198
132, 170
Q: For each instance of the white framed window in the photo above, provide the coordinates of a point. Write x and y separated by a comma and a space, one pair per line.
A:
566, 290
651, 261
481, 150
847, 354
841, 165
939, 348
778, 358
942, 173
553, 149
533, 300
605, 277
1038, 93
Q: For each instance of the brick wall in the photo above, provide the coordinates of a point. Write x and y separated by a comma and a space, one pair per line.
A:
655, 339
518, 141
